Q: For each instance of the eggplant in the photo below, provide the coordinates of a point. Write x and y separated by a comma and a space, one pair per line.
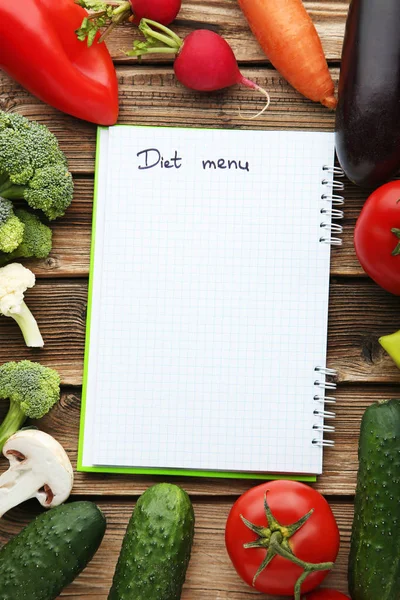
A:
368, 112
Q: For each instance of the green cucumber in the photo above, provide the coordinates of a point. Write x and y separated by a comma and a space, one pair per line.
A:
50, 552
156, 548
374, 563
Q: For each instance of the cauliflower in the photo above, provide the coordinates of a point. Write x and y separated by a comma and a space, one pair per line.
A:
15, 279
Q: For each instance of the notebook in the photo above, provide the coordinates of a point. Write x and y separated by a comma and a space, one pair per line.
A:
208, 303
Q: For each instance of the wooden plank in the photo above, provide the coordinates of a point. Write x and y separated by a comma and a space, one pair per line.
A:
340, 462
72, 234
210, 573
226, 18
152, 96
359, 312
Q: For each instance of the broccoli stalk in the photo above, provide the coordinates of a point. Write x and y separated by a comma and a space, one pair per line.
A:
12, 422
32, 390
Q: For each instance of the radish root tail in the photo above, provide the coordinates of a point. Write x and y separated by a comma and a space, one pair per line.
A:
250, 84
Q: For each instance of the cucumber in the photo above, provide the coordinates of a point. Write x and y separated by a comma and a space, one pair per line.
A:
50, 552
156, 548
374, 563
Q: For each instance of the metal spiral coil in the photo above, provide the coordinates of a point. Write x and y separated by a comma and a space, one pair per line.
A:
325, 385
320, 411
336, 171
334, 213
323, 443
333, 230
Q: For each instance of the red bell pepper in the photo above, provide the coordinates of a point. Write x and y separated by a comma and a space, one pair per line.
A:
39, 49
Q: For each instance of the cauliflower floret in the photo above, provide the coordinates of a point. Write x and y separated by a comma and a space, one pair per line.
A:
15, 279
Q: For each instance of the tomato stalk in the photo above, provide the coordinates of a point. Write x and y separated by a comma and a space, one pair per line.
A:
396, 251
275, 539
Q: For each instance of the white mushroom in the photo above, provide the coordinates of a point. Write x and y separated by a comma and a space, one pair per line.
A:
39, 468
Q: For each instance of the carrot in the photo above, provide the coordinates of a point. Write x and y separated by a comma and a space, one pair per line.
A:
288, 37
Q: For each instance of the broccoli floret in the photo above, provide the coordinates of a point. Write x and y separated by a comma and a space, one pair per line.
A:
36, 241
15, 163
50, 190
32, 390
32, 166
11, 228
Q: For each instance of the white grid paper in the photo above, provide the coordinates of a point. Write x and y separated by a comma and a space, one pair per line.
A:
209, 304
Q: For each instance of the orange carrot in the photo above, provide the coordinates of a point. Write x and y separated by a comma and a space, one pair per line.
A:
288, 37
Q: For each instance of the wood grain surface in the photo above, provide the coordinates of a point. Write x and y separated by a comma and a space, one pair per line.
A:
359, 311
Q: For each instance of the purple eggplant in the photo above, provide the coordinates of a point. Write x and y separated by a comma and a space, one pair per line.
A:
368, 112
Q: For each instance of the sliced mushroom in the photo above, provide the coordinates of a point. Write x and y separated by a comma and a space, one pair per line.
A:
39, 468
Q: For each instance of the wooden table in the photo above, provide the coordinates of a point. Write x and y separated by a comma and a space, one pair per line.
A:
359, 310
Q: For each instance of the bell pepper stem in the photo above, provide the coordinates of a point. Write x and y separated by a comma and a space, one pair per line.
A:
391, 343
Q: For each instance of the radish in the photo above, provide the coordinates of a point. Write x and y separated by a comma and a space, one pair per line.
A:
205, 62
162, 11
110, 14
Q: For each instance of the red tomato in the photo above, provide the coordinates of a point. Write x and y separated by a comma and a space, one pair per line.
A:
315, 542
325, 594
374, 240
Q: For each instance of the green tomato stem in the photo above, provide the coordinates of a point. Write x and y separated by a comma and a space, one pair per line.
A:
275, 540
396, 251
276, 547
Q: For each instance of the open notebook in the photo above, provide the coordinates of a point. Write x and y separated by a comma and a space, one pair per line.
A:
208, 302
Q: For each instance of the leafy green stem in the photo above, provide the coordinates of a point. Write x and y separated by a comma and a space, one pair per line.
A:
155, 33
103, 15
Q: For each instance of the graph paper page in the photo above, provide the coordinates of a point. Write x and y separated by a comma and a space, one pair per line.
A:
209, 300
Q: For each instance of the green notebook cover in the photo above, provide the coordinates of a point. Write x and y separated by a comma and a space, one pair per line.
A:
140, 470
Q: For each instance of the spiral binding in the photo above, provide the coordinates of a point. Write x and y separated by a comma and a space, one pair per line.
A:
321, 399
332, 231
